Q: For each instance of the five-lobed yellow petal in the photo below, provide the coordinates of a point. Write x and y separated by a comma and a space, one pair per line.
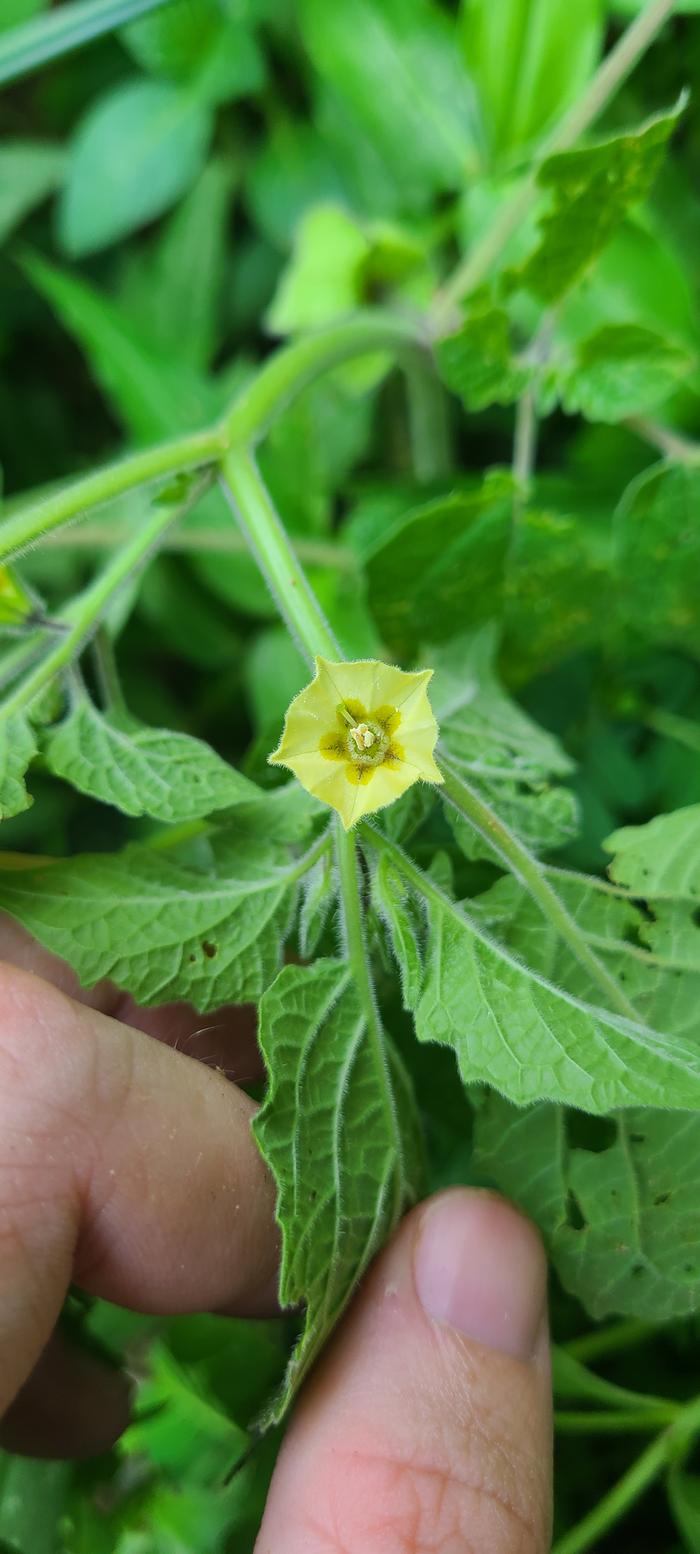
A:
359, 735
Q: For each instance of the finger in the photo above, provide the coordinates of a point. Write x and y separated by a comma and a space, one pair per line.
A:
123, 1165
71, 1406
427, 1427
225, 1040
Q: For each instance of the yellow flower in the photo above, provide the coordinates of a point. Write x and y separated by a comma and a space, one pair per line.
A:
359, 735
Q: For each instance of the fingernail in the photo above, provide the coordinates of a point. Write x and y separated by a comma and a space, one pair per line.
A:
479, 1267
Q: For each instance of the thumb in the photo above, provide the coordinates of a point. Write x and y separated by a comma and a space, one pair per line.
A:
428, 1425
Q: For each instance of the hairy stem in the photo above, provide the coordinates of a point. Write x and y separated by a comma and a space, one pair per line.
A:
648, 1467
526, 868
244, 489
83, 614
76, 500
610, 75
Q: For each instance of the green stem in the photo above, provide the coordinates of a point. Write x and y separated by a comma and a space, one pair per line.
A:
291, 369
429, 424
526, 868
74, 501
202, 542
69, 27
622, 1422
107, 673
266, 537
681, 450
648, 1467
610, 75
610, 1340
82, 614
671, 726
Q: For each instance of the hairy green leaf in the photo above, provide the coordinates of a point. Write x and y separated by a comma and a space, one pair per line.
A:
657, 542
621, 370
621, 1221
591, 190
513, 1029
661, 858
142, 771
160, 930
339, 1132
499, 750
135, 152
441, 565
318, 897
477, 362
17, 748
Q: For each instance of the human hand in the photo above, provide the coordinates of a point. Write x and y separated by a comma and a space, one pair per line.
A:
131, 1170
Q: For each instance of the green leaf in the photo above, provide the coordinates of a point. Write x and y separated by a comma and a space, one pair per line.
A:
199, 44
441, 565
558, 592
136, 151
339, 1133
514, 1030
318, 897
395, 66
142, 771
29, 171
160, 930
174, 294
32, 1499
502, 753
16, 11
17, 748
396, 908
153, 395
657, 544
622, 370
621, 1221
322, 280
70, 26
529, 60
292, 170
477, 362
591, 190
661, 858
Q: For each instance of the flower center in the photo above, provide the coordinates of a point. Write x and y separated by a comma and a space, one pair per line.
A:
367, 743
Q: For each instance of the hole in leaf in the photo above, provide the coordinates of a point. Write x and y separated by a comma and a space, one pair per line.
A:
695, 914
594, 1134
574, 1214
661, 1197
210, 950
689, 1268
638, 1138
638, 1270
632, 935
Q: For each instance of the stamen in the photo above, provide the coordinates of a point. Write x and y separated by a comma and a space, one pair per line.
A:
363, 736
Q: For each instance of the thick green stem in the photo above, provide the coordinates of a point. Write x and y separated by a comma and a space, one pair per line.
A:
631, 1421
612, 72
75, 501
83, 614
289, 371
267, 539
648, 1467
526, 868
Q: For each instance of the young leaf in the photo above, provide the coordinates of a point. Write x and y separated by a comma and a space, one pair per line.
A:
142, 771
477, 362
441, 565
591, 189
29, 171
529, 59
160, 930
318, 895
136, 151
513, 1029
621, 1222
498, 749
657, 543
622, 370
397, 909
339, 1132
322, 280
17, 748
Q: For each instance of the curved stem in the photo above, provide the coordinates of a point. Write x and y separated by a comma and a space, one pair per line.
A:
638, 1478
267, 539
614, 69
526, 868
82, 615
76, 500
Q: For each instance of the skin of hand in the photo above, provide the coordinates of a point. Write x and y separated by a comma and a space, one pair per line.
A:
128, 1167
